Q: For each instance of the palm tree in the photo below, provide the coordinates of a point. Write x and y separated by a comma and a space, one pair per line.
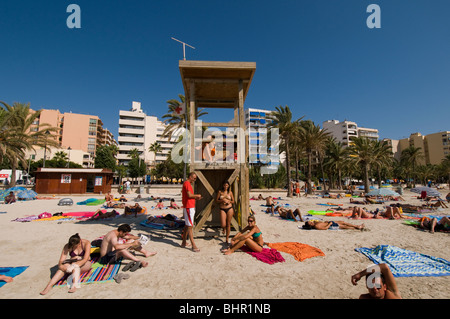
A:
155, 148
362, 152
20, 119
313, 139
176, 121
336, 156
12, 142
383, 157
410, 157
282, 119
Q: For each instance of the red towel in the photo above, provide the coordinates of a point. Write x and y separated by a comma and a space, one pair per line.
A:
269, 256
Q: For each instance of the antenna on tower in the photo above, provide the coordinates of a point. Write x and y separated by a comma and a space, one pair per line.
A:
184, 47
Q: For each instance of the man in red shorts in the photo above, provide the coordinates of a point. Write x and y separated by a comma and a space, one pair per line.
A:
188, 199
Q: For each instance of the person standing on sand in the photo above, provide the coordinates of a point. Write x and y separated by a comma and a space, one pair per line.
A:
188, 199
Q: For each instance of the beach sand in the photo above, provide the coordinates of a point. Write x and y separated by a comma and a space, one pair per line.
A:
179, 273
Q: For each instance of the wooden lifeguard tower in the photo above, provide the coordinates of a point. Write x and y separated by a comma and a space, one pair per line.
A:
218, 85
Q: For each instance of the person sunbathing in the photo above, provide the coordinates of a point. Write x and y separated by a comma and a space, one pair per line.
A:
320, 225
260, 197
160, 204
132, 209
99, 214
439, 203
391, 212
11, 198
432, 224
286, 213
359, 212
173, 204
364, 202
123, 199
115, 205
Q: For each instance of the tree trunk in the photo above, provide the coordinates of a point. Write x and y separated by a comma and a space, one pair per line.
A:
288, 168
309, 172
366, 178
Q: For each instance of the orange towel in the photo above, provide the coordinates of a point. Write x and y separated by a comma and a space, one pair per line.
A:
298, 250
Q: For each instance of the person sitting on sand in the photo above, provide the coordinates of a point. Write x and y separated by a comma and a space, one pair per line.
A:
11, 198
433, 225
260, 197
115, 205
109, 197
79, 251
123, 199
173, 204
99, 214
251, 236
111, 250
320, 225
132, 209
269, 201
160, 204
380, 282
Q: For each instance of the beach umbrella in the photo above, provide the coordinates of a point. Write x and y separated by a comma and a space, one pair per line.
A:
430, 191
383, 192
26, 194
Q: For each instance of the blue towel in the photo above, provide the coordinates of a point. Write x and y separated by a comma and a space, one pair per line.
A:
406, 263
11, 272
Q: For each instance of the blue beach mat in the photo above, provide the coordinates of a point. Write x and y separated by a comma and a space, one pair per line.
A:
406, 263
11, 272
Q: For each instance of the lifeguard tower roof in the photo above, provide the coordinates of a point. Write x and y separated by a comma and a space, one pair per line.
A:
216, 82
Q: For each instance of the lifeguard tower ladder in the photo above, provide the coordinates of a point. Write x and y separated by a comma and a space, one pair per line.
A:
218, 85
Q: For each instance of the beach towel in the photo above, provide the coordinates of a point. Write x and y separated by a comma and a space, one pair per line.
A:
268, 256
406, 263
298, 250
98, 273
11, 272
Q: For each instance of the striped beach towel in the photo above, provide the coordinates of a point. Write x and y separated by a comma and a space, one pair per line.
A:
406, 263
98, 273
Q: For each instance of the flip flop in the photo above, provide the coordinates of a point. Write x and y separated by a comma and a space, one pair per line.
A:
136, 266
128, 266
118, 278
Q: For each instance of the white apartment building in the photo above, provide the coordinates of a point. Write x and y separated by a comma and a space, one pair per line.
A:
345, 131
138, 130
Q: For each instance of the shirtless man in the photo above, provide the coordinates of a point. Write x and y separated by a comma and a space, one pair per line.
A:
380, 283
111, 250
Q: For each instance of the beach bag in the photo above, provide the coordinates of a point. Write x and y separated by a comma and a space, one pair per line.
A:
45, 215
65, 201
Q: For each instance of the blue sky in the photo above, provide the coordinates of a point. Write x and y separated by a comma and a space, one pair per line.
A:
317, 56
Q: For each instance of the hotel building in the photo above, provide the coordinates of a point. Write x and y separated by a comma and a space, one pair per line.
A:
82, 133
138, 131
345, 131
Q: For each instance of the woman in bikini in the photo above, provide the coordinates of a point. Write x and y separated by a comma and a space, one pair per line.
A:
251, 236
79, 251
225, 199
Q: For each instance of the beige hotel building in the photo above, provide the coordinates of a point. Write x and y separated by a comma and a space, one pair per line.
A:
82, 133
435, 147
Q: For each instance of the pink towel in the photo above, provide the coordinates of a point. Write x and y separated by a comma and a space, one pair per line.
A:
267, 255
